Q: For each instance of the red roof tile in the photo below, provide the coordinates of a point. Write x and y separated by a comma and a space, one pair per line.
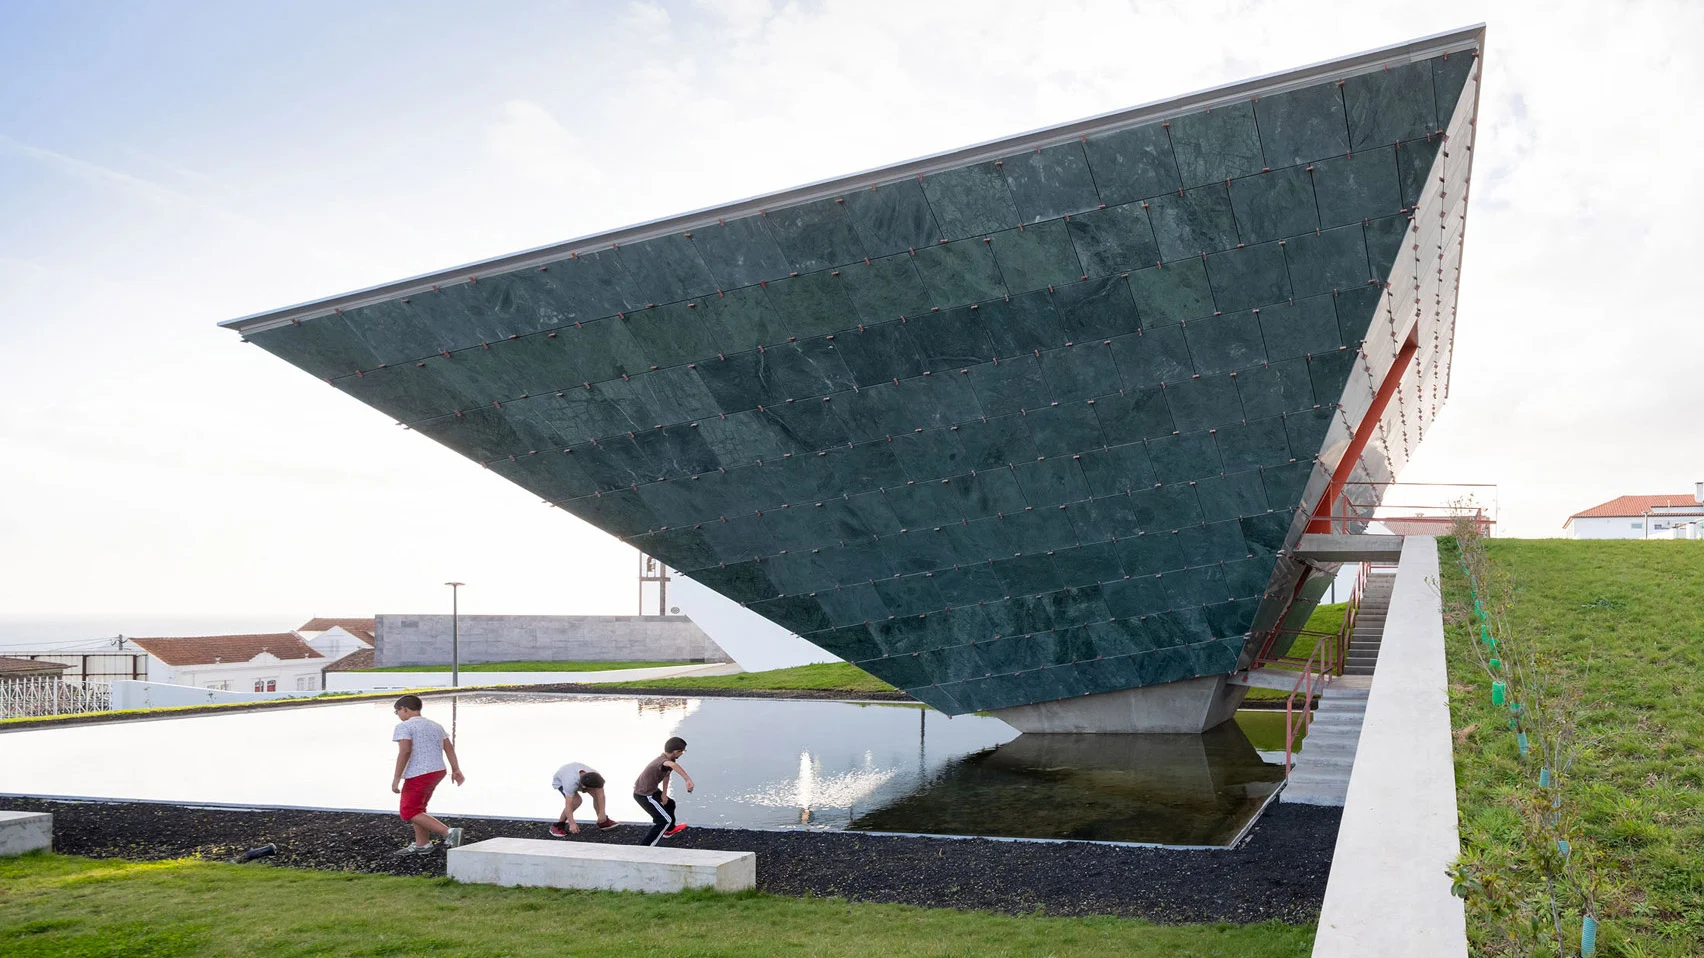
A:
1625, 507
359, 660
208, 649
362, 627
11, 666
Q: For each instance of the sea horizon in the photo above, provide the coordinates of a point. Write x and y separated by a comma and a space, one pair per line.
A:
95, 631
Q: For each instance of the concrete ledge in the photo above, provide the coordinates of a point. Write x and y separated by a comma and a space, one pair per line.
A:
1349, 548
1388, 894
22, 832
535, 862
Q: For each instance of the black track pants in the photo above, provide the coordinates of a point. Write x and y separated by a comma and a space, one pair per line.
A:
662, 812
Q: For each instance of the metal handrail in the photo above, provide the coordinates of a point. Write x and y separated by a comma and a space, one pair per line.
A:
1304, 686
1333, 653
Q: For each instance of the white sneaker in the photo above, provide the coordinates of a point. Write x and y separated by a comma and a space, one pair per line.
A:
413, 849
453, 839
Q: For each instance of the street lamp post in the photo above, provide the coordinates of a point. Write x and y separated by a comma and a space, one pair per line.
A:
455, 635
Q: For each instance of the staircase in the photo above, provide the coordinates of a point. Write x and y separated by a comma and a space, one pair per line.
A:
1370, 621
1320, 775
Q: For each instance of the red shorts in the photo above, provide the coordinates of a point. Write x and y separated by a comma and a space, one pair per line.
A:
417, 791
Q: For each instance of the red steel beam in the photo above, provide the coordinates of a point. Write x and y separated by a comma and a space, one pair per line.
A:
1363, 435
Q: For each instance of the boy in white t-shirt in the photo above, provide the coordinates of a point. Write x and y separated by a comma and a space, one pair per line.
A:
421, 747
571, 780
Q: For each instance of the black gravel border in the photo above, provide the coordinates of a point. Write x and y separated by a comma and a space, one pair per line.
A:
1278, 872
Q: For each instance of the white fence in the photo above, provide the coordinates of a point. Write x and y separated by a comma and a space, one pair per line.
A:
49, 696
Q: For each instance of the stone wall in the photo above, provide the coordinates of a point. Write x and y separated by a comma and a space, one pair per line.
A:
425, 639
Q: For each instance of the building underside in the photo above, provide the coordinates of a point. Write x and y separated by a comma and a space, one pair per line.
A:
1032, 426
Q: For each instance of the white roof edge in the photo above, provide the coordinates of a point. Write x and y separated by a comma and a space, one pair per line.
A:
1465, 38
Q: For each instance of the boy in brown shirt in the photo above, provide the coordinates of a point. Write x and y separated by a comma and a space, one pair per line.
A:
651, 791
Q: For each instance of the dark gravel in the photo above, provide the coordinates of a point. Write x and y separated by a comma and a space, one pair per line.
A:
1278, 872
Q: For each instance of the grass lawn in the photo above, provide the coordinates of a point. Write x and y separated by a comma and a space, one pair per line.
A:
55, 906
1628, 616
533, 667
1325, 618
824, 676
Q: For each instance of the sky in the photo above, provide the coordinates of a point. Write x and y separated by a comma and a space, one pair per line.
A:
165, 166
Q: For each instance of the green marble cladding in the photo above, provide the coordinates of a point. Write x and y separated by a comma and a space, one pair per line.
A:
1030, 428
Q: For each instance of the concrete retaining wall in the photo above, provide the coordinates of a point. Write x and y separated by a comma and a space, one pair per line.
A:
1388, 894
425, 639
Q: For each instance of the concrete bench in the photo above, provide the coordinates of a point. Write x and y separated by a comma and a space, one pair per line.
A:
22, 832
528, 861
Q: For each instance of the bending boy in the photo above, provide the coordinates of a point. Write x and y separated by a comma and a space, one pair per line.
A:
651, 791
571, 780
421, 747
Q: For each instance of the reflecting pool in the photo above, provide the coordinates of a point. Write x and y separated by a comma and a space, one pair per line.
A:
757, 764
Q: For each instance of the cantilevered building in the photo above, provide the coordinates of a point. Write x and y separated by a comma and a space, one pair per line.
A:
1032, 426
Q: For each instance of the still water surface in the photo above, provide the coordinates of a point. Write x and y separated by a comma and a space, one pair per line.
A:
756, 763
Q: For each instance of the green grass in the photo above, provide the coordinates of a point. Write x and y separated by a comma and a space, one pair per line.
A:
58, 906
532, 667
1628, 618
824, 677
1325, 618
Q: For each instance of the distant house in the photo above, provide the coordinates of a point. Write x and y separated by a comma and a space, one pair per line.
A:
35, 687
1642, 517
336, 638
269, 662
361, 661
29, 669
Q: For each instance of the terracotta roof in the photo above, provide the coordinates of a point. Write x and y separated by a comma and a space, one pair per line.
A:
208, 649
357, 661
1626, 507
361, 627
10, 666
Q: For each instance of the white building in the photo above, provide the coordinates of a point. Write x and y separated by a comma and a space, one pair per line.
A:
271, 662
1642, 517
336, 638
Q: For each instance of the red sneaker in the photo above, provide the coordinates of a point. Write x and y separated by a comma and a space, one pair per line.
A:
674, 831
557, 830
608, 823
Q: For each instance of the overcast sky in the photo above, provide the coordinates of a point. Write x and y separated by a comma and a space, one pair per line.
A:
166, 166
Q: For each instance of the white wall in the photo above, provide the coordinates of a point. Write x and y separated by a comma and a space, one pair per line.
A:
1620, 527
334, 644
127, 694
240, 676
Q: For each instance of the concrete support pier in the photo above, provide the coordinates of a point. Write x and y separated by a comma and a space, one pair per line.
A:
1193, 705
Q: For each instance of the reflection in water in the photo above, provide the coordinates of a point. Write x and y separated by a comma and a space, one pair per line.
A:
1172, 789
757, 764
812, 791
